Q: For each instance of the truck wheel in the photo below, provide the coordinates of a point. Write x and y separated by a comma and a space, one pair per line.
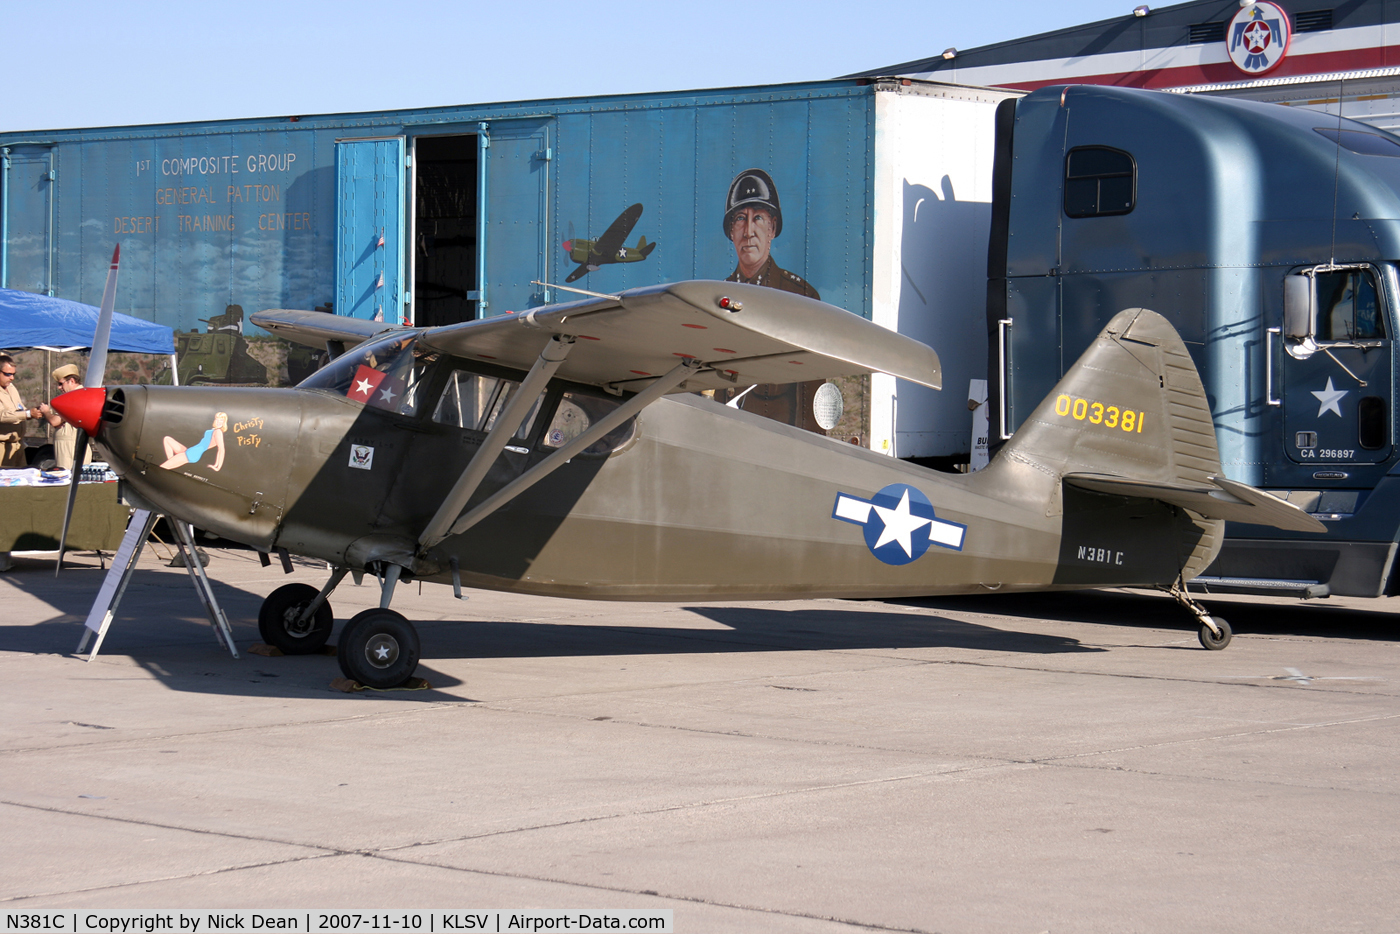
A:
378, 648
1213, 642
278, 620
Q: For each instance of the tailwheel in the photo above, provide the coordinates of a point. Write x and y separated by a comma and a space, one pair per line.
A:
1213, 640
1215, 633
378, 648
283, 623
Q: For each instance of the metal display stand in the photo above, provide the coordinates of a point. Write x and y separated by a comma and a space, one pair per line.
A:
119, 575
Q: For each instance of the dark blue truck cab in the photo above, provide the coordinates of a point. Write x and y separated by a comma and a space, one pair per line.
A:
1269, 236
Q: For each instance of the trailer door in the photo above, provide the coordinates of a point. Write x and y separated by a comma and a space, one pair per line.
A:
26, 247
1335, 389
514, 215
369, 234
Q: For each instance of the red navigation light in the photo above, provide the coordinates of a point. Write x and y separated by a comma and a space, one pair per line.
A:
82, 407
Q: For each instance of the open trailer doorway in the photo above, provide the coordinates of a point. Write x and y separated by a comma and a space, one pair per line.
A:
446, 229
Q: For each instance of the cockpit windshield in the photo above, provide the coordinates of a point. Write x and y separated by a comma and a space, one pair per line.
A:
389, 373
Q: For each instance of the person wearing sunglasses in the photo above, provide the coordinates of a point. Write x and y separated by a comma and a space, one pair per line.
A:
13, 415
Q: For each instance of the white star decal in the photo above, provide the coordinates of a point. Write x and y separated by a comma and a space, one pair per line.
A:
900, 525
388, 394
1328, 399
382, 653
363, 386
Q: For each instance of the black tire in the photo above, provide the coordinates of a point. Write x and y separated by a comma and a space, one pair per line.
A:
278, 626
1213, 642
378, 648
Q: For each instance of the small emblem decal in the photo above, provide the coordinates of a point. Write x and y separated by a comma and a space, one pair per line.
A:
1328, 398
361, 456
899, 523
1258, 37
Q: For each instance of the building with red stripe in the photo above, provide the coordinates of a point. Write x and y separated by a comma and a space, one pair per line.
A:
1285, 52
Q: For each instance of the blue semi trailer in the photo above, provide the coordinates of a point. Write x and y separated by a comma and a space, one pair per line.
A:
881, 192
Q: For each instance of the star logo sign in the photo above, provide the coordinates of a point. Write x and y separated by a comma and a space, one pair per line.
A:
1328, 398
1257, 37
899, 523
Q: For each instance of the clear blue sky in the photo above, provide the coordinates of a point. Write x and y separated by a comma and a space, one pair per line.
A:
76, 63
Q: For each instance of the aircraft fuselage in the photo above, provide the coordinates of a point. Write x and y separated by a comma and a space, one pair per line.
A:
702, 501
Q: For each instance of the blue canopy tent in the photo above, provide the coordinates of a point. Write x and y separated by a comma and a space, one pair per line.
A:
29, 320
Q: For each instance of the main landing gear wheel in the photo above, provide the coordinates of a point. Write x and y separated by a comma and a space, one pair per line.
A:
378, 648
280, 623
1216, 642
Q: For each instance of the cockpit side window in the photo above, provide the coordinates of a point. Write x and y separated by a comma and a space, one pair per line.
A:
578, 411
1348, 307
475, 400
391, 373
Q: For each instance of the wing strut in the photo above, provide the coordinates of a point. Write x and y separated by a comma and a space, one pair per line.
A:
559, 458
507, 423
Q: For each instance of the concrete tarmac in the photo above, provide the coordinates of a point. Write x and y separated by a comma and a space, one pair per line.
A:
1070, 762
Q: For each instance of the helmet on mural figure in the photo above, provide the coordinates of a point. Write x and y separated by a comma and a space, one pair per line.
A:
752, 188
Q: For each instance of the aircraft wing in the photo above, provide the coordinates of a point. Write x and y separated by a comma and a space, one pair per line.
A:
764, 336
1226, 499
317, 328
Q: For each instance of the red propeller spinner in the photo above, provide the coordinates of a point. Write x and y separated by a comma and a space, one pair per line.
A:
82, 407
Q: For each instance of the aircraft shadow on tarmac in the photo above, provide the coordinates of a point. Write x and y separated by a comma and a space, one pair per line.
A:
172, 639
1323, 618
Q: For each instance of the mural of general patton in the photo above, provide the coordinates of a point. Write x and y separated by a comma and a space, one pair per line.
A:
753, 219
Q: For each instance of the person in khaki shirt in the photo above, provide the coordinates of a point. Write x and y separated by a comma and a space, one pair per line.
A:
65, 441
13, 415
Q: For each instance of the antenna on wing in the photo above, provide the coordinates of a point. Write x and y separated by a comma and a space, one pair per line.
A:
97, 367
569, 288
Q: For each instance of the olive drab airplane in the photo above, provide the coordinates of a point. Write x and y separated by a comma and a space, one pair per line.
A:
609, 248
564, 451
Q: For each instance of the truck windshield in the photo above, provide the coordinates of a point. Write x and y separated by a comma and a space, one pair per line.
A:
388, 373
1348, 309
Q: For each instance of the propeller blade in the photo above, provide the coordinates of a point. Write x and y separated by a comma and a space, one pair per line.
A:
97, 360
79, 455
97, 368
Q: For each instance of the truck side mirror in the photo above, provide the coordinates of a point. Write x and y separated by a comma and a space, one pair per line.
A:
1299, 308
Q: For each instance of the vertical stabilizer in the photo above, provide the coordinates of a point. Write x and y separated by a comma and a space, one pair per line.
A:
1131, 408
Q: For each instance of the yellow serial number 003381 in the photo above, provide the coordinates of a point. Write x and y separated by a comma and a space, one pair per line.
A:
1097, 413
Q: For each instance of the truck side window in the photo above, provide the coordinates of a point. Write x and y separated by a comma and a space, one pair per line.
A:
576, 413
1099, 181
1347, 307
474, 400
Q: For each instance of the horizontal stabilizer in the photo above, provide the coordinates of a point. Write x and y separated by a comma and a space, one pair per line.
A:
1222, 499
316, 328
741, 334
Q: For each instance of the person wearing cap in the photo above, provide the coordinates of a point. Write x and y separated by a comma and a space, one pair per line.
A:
65, 440
13, 415
753, 219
